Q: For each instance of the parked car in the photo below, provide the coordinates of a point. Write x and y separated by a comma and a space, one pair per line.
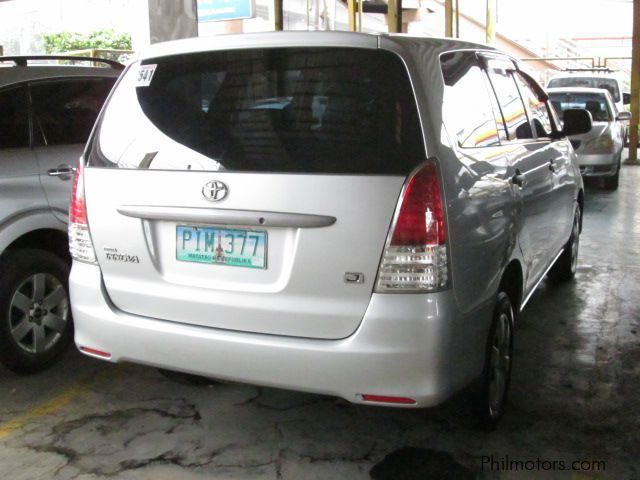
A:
602, 78
600, 150
48, 111
271, 209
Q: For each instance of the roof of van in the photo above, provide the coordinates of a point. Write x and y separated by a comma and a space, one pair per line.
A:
298, 39
600, 91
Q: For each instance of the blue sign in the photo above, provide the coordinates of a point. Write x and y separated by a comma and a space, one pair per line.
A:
217, 10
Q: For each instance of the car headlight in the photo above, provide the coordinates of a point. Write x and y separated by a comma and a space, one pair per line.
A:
602, 144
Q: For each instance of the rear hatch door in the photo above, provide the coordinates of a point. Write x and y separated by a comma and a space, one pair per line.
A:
251, 190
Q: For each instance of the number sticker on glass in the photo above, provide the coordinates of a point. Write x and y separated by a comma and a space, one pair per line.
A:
221, 246
145, 74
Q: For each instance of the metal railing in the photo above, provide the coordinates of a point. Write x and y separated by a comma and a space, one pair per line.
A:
23, 60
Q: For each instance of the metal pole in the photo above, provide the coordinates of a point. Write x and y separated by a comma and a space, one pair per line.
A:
448, 18
635, 87
491, 16
278, 22
457, 18
391, 16
394, 16
360, 7
564, 59
606, 60
351, 6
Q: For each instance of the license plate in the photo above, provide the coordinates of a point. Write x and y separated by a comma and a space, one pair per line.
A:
221, 246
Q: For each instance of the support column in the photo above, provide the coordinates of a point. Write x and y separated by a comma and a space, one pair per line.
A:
352, 9
171, 20
635, 87
278, 16
394, 16
491, 21
448, 18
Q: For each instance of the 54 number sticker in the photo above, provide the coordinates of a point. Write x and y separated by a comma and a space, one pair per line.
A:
145, 74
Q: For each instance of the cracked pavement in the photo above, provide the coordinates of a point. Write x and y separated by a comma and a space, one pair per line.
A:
575, 395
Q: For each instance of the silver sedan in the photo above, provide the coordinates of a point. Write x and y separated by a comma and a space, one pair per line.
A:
599, 150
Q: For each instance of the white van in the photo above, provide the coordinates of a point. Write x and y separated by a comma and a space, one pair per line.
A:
354, 215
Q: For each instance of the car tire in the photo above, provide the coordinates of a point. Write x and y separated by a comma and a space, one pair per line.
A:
611, 183
36, 325
565, 267
490, 394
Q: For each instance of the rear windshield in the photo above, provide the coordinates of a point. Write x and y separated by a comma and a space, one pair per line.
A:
325, 110
588, 82
594, 103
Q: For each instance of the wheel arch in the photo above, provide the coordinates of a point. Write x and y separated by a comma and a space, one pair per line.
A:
580, 201
49, 239
512, 283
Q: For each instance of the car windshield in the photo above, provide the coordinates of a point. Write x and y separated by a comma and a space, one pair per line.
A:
595, 103
588, 82
323, 110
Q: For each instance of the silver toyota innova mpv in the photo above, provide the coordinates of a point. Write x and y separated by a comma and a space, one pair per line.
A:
347, 214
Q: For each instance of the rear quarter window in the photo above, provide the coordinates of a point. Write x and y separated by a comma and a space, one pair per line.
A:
324, 110
467, 106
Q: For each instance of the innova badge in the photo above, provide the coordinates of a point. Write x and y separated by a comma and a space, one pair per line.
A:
214, 190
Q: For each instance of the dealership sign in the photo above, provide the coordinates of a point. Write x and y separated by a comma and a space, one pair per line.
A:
217, 10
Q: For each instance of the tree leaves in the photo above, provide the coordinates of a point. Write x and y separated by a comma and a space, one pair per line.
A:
101, 39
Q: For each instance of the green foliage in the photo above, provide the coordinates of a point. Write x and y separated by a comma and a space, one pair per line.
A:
102, 39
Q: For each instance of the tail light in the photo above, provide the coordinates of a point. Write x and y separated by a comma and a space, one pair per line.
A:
80, 244
415, 257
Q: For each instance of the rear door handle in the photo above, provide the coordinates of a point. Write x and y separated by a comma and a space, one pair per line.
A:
64, 172
518, 179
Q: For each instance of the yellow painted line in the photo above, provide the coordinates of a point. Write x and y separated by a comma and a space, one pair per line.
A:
51, 406
41, 410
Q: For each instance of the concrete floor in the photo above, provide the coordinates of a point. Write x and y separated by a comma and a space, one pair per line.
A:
575, 395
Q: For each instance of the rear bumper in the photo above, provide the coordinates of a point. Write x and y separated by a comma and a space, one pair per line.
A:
408, 345
600, 165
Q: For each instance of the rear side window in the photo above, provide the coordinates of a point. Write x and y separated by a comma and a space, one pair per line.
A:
65, 110
325, 110
511, 107
467, 107
537, 108
14, 118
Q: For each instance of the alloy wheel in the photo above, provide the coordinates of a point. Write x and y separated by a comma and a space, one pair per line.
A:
38, 313
500, 363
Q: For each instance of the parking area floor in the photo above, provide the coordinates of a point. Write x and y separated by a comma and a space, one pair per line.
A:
575, 396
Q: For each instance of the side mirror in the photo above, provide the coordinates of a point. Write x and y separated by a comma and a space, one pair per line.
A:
624, 116
576, 121
626, 98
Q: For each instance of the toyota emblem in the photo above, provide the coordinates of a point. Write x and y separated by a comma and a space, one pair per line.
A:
214, 190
